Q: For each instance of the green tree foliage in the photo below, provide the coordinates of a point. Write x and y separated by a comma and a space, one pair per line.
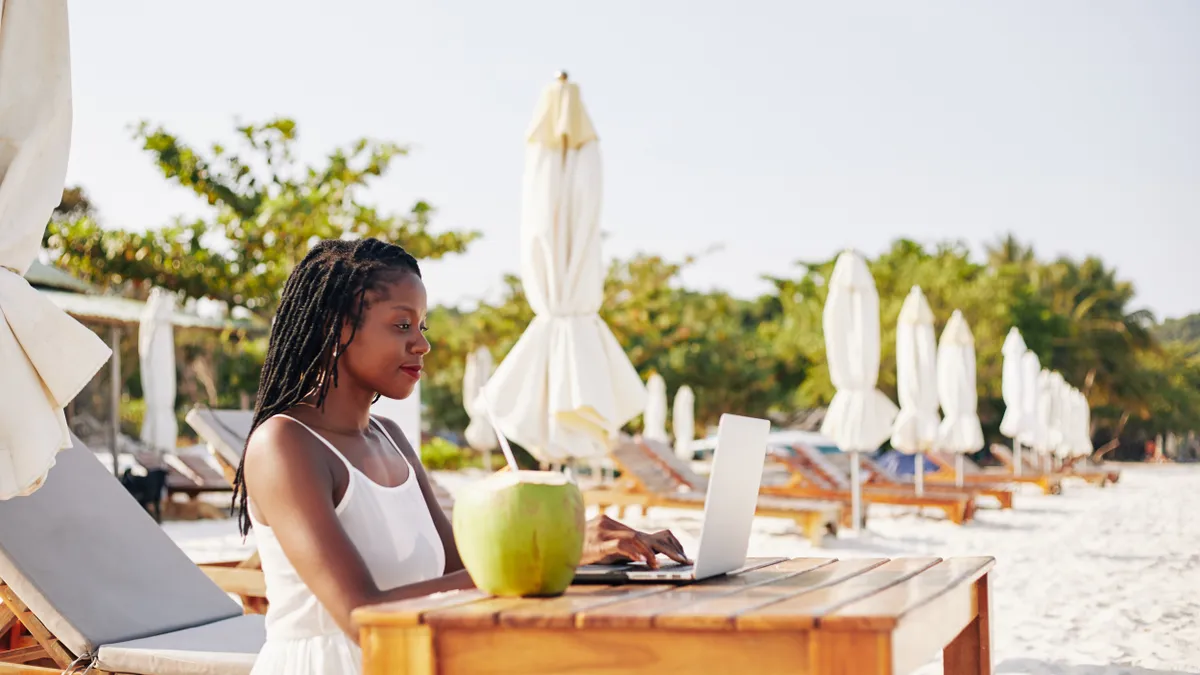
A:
267, 209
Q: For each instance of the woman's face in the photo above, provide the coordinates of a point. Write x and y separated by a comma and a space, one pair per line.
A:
389, 346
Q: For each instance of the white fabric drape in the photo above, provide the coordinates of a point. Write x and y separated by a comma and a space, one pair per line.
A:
1012, 386
1060, 426
1046, 406
156, 354
654, 418
915, 429
683, 421
860, 416
567, 386
476, 371
960, 430
46, 357
1033, 432
1083, 421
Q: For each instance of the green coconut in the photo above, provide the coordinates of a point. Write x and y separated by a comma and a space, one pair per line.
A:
521, 533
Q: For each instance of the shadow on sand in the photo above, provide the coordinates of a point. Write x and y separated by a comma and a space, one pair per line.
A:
1022, 666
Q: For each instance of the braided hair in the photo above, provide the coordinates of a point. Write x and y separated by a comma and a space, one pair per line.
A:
325, 292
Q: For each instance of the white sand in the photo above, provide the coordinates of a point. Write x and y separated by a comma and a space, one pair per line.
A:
1091, 582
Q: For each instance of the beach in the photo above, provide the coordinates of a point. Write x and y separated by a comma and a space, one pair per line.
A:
1096, 581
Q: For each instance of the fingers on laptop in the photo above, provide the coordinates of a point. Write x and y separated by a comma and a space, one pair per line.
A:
666, 543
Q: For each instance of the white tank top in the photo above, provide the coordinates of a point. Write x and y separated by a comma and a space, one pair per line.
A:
392, 530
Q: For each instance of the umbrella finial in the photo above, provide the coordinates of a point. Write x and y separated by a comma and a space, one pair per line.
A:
562, 76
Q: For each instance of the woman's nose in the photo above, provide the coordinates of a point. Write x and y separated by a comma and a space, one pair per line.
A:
421, 345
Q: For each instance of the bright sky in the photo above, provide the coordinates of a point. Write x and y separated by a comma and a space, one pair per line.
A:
782, 131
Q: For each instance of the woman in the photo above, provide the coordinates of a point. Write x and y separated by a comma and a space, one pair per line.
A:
343, 513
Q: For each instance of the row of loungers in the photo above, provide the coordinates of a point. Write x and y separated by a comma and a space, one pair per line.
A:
87, 577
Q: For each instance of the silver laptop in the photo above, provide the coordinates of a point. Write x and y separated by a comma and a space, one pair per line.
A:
729, 507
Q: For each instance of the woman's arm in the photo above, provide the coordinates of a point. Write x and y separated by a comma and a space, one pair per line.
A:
291, 486
440, 521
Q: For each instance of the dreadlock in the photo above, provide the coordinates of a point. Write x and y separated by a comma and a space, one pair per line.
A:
325, 292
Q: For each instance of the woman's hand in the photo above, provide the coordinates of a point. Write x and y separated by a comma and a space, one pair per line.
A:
608, 541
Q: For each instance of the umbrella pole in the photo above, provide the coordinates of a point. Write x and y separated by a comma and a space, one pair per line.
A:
114, 412
855, 492
958, 469
1017, 455
920, 476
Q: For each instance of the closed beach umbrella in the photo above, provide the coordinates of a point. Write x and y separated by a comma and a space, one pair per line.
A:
960, 431
683, 421
916, 425
46, 357
479, 433
567, 386
156, 356
1012, 389
654, 418
860, 416
1032, 430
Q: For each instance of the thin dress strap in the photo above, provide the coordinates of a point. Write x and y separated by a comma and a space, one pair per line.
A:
324, 440
391, 440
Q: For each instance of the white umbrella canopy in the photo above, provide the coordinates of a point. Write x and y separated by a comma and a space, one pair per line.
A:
156, 354
476, 372
915, 429
46, 357
916, 425
1011, 384
654, 417
1060, 436
1046, 411
960, 430
567, 386
860, 416
1083, 410
683, 421
1032, 430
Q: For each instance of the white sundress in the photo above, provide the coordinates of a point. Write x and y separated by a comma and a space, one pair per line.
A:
394, 533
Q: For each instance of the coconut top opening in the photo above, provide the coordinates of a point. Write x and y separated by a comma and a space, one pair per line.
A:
508, 478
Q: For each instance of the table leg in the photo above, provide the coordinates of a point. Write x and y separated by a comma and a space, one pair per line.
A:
971, 652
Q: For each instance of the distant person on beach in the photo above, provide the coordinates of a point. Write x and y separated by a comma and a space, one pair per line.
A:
343, 513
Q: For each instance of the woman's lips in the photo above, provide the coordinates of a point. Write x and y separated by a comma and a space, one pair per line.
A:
412, 371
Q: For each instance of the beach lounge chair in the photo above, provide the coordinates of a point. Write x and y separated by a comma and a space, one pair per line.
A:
92, 580
945, 473
814, 476
225, 432
652, 476
877, 474
1075, 467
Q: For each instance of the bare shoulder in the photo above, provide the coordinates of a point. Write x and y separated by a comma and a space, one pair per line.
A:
282, 456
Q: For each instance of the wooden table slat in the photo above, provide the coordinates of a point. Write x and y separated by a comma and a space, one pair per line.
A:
805, 611
722, 612
560, 612
883, 610
409, 612
640, 612
486, 612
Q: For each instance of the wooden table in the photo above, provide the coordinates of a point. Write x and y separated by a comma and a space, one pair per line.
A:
863, 616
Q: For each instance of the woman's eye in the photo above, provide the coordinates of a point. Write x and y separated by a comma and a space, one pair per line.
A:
424, 329
402, 326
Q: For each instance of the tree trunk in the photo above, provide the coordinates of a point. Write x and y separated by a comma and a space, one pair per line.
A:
1116, 439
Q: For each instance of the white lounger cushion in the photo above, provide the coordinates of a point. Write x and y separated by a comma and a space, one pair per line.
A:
94, 566
226, 647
